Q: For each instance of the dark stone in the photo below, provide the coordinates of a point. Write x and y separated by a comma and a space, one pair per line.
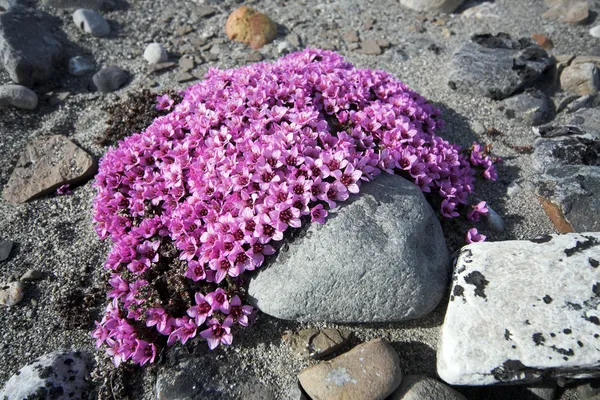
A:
497, 66
28, 49
532, 107
547, 299
5, 248
582, 246
101, 5
541, 239
588, 120
538, 339
110, 79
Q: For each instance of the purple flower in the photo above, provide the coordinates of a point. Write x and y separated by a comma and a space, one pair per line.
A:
474, 236
218, 300
318, 214
477, 210
237, 312
217, 333
64, 190
144, 352
164, 102
201, 311
185, 329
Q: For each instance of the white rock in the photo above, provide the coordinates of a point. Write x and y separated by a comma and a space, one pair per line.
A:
91, 22
523, 310
155, 53
18, 96
11, 293
442, 6
595, 31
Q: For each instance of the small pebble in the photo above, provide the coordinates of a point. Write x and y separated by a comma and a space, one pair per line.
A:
294, 39
91, 22
186, 63
478, 128
183, 77
5, 248
285, 48
79, 66
160, 67
351, 36
31, 275
595, 31
11, 294
18, 96
369, 47
155, 53
110, 79
255, 56
493, 220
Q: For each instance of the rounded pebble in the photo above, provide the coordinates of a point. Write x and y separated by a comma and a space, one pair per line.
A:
155, 53
493, 220
79, 66
91, 22
595, 31
18, 96
110, 79
11, 293
31, 275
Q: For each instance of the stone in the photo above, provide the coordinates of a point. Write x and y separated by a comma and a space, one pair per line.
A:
543, 390
316, 344
587, 101
437, 6
580, 79
184, 77
183, 30
284, 48
186, 63
31, 275
565, 150
46, 164
91, 21
478, 128
79, 66
543, 41
250, 27
493, 221
58, 375
294, 39
496, 66
369, 47
254, 56
351, 36
8, 4
589, 390
523, 310
29, 55
153, 68
486, 10
101, 5
383, 43
205, 11
419, 387
155, 53
5, 248
588, 120
392, 242
18, 96
109, 79
569, 11
532, 107
368, 371
595, 31
11, 293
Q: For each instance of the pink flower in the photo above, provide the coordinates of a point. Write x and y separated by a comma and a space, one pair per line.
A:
218, 300
474, 236
217, 333
185, 329
201, 310
477, 210
237, 312
164, 102
318, 214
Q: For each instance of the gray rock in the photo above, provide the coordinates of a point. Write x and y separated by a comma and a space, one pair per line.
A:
595, 31
102, 5
478, 128
5, 248
294, 39
59, 375
543, 390
588, 120
523, 310
285, 47
28, 49
31, 275
442, 6
8, 4
496, 66
532, 107
155, 53
91, 21
316, 344
204, 377
567, 150
493, 220
44, 165
11, 293
109, 79
205, 11
369, 47
580, 79
391, 266
589, 390
418, 387
186, 63
18, 96
570, 11
587, 101
79, 66
368, 371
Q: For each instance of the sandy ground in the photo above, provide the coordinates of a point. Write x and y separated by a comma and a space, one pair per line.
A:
55, 234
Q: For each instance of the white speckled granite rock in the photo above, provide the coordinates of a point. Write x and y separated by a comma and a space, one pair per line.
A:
523, 310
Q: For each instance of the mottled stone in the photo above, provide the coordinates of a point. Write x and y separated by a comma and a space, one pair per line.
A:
11, 293
316, 343
44, 165
250, 27
588, 120
570, 11
369, 47
368, 371
155, 53
523, 310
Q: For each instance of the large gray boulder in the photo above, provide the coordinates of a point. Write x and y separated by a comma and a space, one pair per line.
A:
28, 49
379, 257
496, 66
522, 311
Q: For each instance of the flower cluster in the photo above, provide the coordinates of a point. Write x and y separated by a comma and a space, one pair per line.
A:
207, 191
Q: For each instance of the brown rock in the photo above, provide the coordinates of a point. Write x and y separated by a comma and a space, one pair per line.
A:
186, 63
250, 27
580, 79
369, 47
556, 216
570, 11
44, 165
299, 342
383, 43
369, 371
351, 36
543, 41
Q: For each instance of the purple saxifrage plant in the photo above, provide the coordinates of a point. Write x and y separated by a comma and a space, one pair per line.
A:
206, 191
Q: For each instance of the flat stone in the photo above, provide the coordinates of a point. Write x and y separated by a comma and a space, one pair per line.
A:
368, 371
79, 66
532, 107
153, 68
595, 31
496, 66
186, 63
482, 11
401, 249
294, 39
11, 293
588, 120
254, 56
523, 310
18, 96
29, 55
419, 387
543, 390
587, 101
91, 21
351, 36
203, 11
44, 165
369, 47
316, 344
5, 248
543, 41
59, 375
184, 77
566, 150
581, 79
442, 6
109, 79
589, 390
155, 53
31, 275
569, 11
101, 5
